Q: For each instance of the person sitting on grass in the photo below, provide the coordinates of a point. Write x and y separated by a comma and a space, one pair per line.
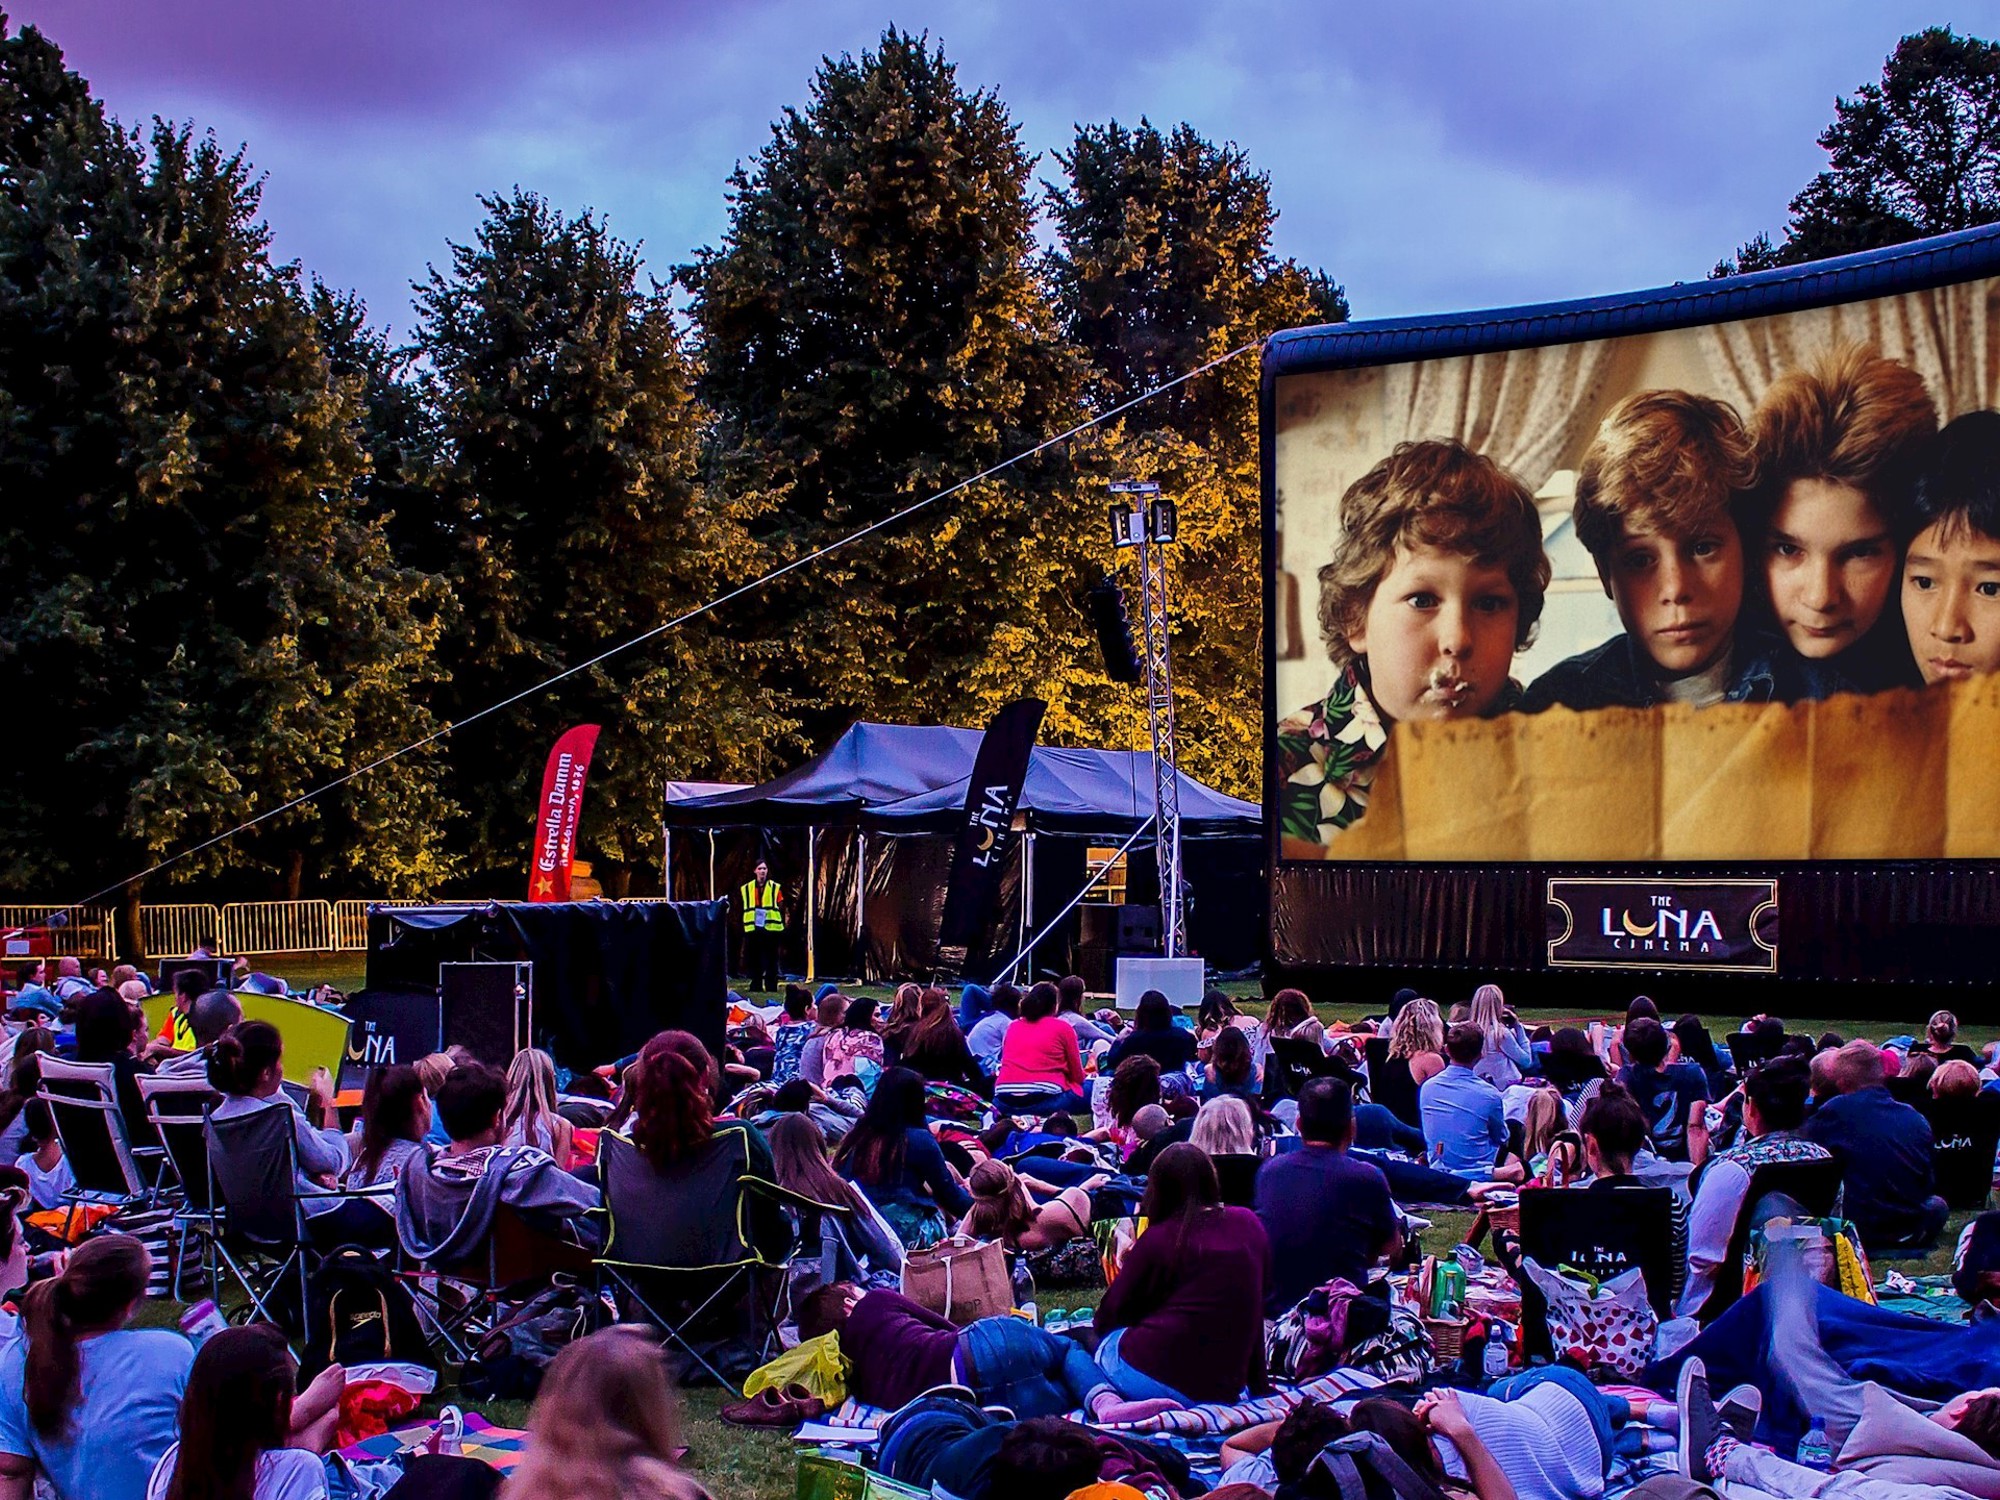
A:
1155, 1034
605, 1426
936, 1048
897, 1349
246, 1428
1465, 1121
1040, 1066
1884, 1148
531, 1118
1327, 1215
1184, 1319
892, 1155
799, 1164
446, 1200
1774, 1107
85, 1402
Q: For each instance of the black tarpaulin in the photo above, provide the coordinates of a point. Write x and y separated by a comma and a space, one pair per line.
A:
608, 974
910, 779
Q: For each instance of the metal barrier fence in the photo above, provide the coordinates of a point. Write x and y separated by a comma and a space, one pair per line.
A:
176, 931
173, 930
86, 934
250, 927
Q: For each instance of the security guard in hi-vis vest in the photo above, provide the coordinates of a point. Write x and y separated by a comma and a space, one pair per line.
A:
762, 902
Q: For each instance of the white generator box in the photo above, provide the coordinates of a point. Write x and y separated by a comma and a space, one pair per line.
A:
1179, 979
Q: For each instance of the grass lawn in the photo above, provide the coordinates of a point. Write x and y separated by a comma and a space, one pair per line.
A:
737, 1463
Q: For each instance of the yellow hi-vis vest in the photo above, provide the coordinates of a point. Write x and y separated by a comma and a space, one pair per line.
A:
760, 907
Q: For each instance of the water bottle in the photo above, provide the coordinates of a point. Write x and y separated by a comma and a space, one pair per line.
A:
1495, 1362
1815, 1451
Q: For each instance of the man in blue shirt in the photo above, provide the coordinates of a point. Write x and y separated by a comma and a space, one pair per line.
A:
1326, 1214
1884, 1150
1465, 1124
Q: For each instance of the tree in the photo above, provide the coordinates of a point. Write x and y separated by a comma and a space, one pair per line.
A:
572, 519
203, 620
1915, 155
1164, 262
872, 329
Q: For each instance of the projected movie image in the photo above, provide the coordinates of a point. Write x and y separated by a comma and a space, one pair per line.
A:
1721, 592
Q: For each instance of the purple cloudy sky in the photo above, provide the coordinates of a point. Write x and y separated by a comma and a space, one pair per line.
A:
1432, 156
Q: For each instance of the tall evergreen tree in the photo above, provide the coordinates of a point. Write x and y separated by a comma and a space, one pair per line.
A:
1163, 262
872, 329
574, 519
202, 616
1913, 155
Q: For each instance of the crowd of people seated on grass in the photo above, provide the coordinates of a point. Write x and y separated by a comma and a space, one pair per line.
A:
1224, 1176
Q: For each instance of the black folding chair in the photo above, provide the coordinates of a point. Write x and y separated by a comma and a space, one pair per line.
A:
1813, 1185
1295, 1062
1965, 1133
690, 1226
253, 1180
175, 1107
82, 1100
1604, 1232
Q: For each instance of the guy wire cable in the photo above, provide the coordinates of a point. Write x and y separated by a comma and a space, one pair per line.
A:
763, 579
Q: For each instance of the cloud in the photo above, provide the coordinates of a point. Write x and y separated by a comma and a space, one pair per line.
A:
1432, 157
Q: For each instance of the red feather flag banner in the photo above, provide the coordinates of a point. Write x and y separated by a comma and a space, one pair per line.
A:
557, 813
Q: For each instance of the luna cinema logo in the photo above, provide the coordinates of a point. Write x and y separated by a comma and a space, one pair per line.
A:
1668, 929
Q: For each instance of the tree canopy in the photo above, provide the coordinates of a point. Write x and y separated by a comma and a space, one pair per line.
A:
258, 546
1915, 154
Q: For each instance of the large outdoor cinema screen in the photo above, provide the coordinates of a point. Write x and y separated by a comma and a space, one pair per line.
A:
1702, 582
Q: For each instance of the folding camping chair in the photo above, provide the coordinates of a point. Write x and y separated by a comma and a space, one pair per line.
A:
691, 1224
175, 1107
253, 1176
82, 1100
1813, 1185
1604, 1233
1296, 1061
514, 1261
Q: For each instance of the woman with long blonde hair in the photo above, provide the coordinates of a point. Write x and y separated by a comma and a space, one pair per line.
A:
1416, 1055
604, 1426
1508, 1053
531, 1118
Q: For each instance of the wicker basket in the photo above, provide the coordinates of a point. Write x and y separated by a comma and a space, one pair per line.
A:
1447, 1337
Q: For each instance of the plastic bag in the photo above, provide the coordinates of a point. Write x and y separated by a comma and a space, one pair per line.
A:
1613, 1324
815, 1364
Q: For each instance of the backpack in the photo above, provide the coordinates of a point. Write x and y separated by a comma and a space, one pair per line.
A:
360, 1314
1360, 1466
510, 1359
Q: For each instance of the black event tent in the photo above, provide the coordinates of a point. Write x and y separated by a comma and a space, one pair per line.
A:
911, 778
889, 796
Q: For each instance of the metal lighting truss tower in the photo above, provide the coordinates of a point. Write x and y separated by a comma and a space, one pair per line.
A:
1142, 521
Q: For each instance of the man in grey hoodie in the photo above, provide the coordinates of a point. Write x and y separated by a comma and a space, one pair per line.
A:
446, 1198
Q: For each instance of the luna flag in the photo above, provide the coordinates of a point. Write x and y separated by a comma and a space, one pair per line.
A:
987, 833
557, 813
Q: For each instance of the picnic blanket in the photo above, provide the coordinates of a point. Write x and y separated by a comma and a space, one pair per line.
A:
855, 1423
499, 1446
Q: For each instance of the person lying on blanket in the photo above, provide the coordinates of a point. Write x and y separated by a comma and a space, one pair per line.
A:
1890, 1453
897, 1349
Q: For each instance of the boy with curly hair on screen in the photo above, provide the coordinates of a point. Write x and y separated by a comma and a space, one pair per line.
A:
1436, 583
1656, 506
